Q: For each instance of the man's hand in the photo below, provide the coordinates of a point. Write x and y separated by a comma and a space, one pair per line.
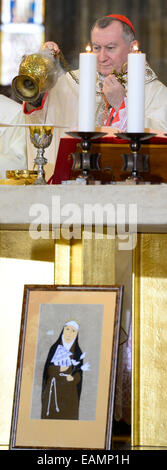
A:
113, 91
52, 46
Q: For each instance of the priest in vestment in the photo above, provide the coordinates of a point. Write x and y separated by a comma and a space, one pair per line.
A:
112, 39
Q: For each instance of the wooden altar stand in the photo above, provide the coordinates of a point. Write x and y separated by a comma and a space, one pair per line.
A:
111, 150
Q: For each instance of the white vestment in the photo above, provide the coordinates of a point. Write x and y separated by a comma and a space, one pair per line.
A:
13, 154
61, 109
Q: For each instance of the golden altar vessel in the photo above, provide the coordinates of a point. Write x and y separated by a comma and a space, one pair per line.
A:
37, 74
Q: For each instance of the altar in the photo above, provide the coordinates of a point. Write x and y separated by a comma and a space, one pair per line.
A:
77, 234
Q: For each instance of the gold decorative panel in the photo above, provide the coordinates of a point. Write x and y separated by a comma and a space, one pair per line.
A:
149, 375
89, 260
19, 244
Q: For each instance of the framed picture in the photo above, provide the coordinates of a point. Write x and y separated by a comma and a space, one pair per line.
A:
66, 370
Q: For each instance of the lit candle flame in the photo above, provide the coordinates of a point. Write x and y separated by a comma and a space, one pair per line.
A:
88, 48
136, 47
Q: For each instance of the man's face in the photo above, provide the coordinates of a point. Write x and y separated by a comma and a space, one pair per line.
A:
111, 49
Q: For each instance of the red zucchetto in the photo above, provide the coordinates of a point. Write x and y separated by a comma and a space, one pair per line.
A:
122, 18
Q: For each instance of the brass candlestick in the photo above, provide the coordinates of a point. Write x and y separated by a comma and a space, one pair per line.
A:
41, 137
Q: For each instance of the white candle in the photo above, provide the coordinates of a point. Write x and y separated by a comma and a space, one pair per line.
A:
87, 92
135, 95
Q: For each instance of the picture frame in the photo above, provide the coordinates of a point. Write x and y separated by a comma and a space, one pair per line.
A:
66, 368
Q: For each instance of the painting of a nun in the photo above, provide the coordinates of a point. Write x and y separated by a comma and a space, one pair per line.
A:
62, 376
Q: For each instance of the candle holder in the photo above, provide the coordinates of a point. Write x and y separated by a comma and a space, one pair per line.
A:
41, 137
135, 162
86, 162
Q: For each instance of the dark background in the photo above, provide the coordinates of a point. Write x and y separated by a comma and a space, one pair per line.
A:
68, 22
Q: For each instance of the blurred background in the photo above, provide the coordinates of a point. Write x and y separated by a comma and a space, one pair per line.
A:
26, 24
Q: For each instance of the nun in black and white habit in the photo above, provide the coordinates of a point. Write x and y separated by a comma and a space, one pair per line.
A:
62, 376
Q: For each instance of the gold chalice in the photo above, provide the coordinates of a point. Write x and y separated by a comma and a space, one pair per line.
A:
41, 137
